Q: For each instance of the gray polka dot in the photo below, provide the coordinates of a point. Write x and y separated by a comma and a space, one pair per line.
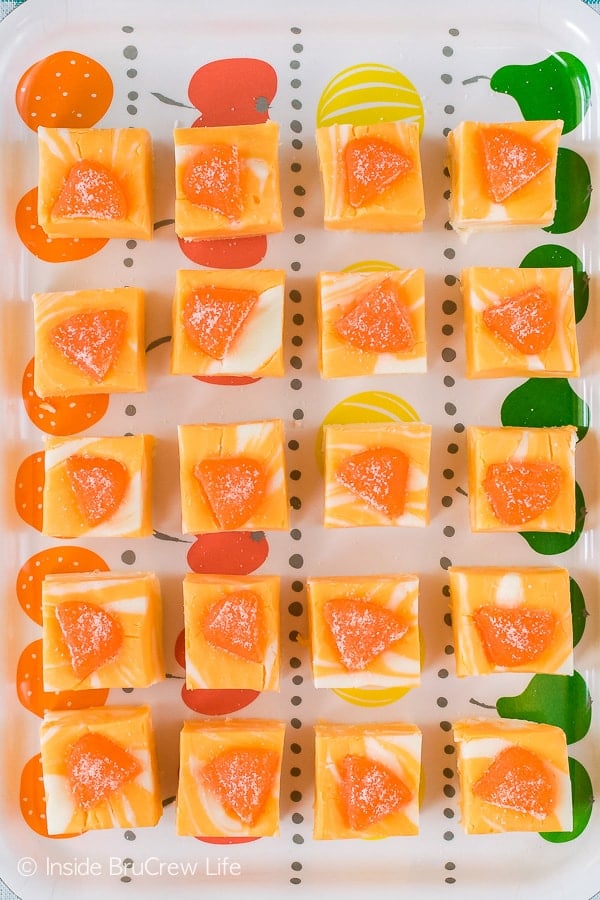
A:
128, 262
296, 701
295, 384
448, 354
298, 839
448, 473
449, 109
447, 79
449, 307
127, 29
297, 679
295, 296
450, 409
447, 330
447, 51
296, 167
295, 748
125, 879
295, 796
296, 723
296, 126
449, 749
297, 586
447, 501
295, 82
296, 362
295, 663
128, 557
446, 593
129, 835
295, 29
295, 772
131, 245
450, 880
295, 534
131, 109
449, 791
296, 561
453, 31
298, 414
130, 52
443, 673
295, 266
299, 238
296, 880
450, 279
449, 253
131, 73
295, 608
449, 650
445, 563
293, 445
295, 474
452, 448
459, 428
298, 319
132, 95
296, 866
130, 410
448, 836
442, 702
449, 531
448, 773
299, 190
446, 131
297, 340
449, 381
294, 64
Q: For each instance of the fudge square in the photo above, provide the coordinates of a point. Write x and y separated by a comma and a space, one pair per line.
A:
513, 776
502, 175
233, 477
99, 769
229, 778
371, 323
366, 780
519, 322
227, 181
377, 474
95, 183
521, 479
231, 631
364, 631
228, 322
371, 176
89, 342
101, 630
511, 619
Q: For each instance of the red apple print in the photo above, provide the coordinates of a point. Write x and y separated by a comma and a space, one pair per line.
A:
227, 840
233, 91
211, 702
228, 553
226, 379
226, 253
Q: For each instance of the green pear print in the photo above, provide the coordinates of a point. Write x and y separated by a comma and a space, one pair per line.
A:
561, 700
546, 402
549, 256
573, 192
582, 794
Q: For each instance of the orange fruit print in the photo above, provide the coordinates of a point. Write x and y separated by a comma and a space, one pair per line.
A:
35, 239
29, 486
242, 781
53, 561
372, 166
61, 415
32, 798
369, 791
518, 779
30, 687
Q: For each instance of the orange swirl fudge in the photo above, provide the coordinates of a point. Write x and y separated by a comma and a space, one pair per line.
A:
371, 176
98, 486
233, 477
377, 474
89, 342
229, 776
371, 323
228, 322
364, 631
231, 631
101, 630
99, 768
366, 780
227, 181
502, 175
519, 322
522, 479
513, 775
95, 183
511, 620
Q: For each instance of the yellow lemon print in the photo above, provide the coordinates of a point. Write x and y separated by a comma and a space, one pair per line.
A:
371, 265
368, 93
372, 696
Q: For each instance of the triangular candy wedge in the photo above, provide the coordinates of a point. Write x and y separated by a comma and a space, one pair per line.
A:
372, 166
97, 768
369, 791
525, 321
379, 322
362, 630
379, 477
99, 485
513, 636
211, 179
91, 340
518, 779
521, 491
511, 160
242, 780
235, 624
234, 487
93, 636
213, 317
90, 191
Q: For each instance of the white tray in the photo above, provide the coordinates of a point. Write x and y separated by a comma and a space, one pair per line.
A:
151, 49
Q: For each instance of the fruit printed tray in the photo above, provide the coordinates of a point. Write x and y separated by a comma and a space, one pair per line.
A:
114, 65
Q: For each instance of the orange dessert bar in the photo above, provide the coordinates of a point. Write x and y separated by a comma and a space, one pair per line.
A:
227, 181
366, 780
511, 620
371, 176
89, 342
371, 323
229, 776
514, 776
98, 486
99, 768
95, 182
364, 631
522, 479
228, 322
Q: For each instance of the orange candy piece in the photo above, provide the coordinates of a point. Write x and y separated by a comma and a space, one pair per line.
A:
520, 491
511, 160
90, 191
518, 779
379, 477
211, 179
379, 322
99, 485
513, 636
235, 623
242, 781
362, 630
525, 321
97, 768
234, 488
372, 165
93, 636
369, 791
212, 317
91, 340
